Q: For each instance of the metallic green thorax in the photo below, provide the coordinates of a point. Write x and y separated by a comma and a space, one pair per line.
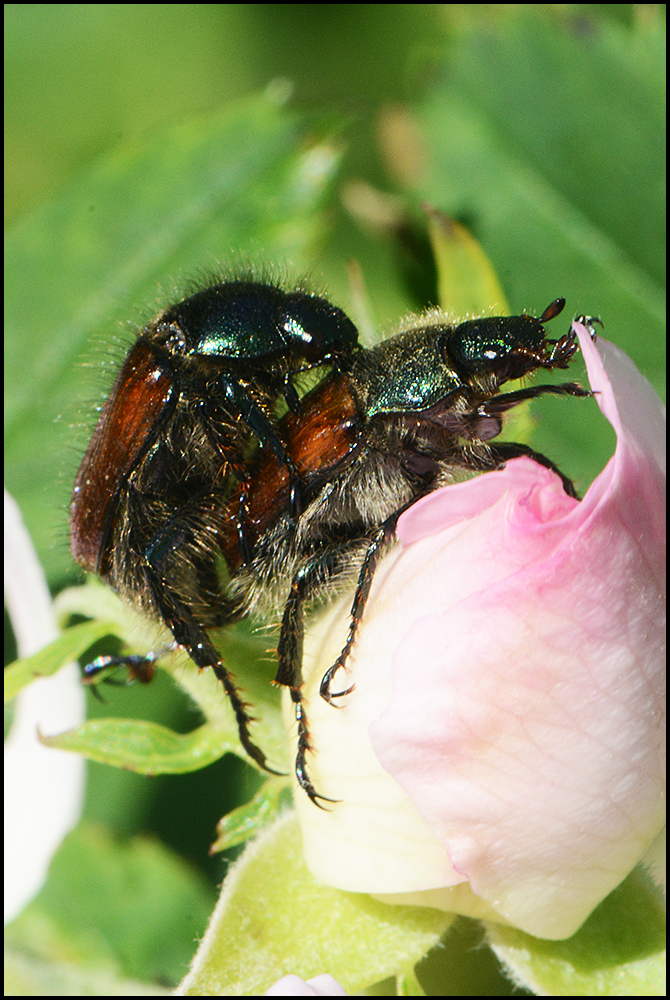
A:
407, 373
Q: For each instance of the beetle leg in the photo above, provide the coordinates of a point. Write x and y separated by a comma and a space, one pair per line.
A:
139, 667
289, 651
290, 395
197, 644
506, 450
323, 565
378, 545
263, 427
186, 630
498, 405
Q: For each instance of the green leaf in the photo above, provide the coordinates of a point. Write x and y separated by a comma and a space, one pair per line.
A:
467, 282
145, 747
67, 647
248, 820
150, 748
274, 918
108, 910
620, 950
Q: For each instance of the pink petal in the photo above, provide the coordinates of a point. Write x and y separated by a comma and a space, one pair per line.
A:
526, 716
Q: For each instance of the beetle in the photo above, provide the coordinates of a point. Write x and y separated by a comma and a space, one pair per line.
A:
372, 437
200, 385
211, 367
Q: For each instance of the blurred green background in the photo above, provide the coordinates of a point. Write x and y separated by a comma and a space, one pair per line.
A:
84, 78
145, 143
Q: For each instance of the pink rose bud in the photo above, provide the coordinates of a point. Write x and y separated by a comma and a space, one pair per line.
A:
502, 754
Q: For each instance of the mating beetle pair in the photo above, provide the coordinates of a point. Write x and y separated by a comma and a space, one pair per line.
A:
248, 426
